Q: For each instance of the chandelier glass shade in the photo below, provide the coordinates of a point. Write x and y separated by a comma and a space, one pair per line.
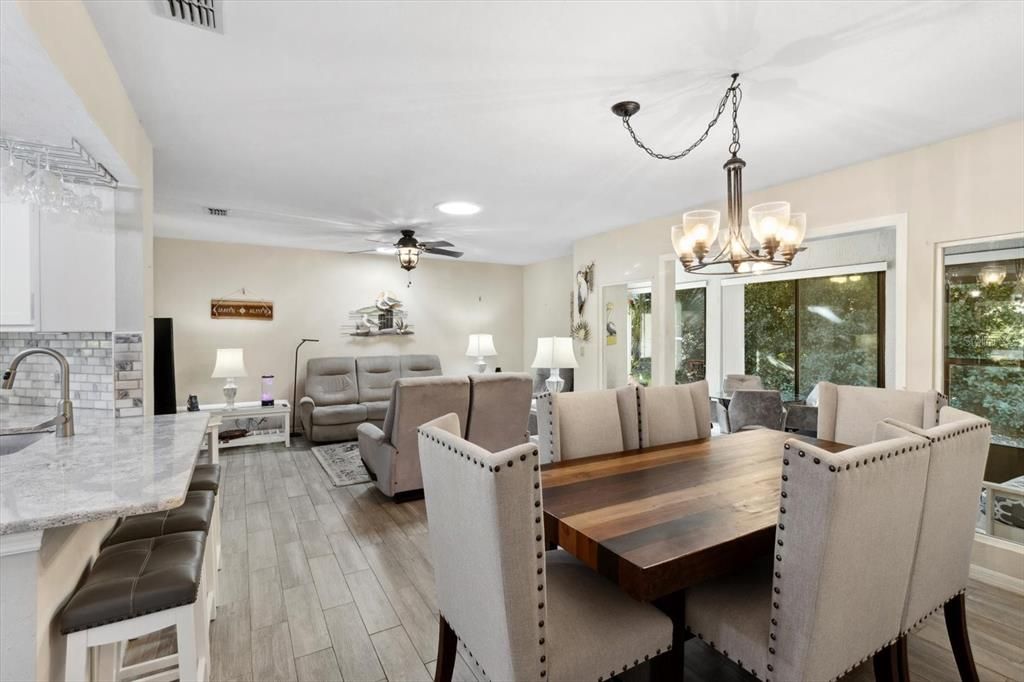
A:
774, 234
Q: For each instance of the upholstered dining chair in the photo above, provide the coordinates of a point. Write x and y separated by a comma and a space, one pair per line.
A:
521, 613
834, 592
587, 423
499, 409
959, 450
848, 414
736, 382
672, 414
751, 408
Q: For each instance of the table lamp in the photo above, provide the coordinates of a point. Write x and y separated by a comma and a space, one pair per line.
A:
230, 364
481, 346
555, 353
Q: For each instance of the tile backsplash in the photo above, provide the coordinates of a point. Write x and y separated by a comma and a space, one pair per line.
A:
128, 374
92, 368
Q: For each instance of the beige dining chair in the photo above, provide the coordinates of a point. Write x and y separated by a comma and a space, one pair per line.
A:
587, 423
520, 613
673, 414
959, 450
848, 414
834, 593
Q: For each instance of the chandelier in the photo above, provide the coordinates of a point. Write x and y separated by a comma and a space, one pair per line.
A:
776, 232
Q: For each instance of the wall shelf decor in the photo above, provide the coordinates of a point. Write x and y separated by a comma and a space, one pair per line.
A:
385, 317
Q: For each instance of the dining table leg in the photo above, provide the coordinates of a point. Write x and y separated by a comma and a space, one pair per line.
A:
669, 665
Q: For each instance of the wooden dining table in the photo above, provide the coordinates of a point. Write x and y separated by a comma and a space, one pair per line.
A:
661, 519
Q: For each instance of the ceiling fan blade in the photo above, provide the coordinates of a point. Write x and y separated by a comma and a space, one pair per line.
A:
350, 253
386, 242
431, 245
444, 252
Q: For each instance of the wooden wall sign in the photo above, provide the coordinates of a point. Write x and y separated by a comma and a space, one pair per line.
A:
228, 309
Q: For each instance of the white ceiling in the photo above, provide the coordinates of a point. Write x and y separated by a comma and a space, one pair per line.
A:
37, 104
375, 111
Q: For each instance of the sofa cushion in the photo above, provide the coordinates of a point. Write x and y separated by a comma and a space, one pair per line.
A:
420, 366
375, 374
332, 381
339, 414
376, 410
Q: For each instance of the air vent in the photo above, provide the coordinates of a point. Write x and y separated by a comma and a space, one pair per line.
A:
199, 13
217, 211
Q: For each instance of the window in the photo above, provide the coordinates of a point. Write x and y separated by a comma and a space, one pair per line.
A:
691, 332
801, 331
984, 370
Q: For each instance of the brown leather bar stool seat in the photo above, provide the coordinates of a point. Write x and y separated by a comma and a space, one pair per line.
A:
206, 477
135, 588
195, 514
134, 578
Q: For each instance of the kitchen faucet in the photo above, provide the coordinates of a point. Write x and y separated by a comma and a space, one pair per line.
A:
65, 419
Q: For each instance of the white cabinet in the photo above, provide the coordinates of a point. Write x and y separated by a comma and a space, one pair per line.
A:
19, 267
77, 271
57, 271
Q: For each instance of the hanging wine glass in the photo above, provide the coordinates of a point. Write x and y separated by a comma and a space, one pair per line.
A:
70, 201
12, 178
91, 203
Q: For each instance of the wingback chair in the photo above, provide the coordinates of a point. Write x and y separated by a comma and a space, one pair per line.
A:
587, 423
672, 414
520, 612
959, 450
735, 382
499, 410
848, 414
843, 556
391, 454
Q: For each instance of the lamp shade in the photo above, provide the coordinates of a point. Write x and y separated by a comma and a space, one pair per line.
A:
554, 352
229, 364
480, 345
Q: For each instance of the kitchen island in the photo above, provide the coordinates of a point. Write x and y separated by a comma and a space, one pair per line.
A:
58, 498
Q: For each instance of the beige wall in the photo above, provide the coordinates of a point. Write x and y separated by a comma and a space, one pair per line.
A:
70, 38
313, 292
546, 289
962, 188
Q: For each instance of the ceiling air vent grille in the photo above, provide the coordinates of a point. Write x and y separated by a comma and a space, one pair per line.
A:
217, 211
199, 13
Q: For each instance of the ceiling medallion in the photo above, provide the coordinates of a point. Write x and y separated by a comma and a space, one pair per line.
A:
776, 234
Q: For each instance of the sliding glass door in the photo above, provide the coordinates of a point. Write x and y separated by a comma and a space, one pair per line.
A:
801, 331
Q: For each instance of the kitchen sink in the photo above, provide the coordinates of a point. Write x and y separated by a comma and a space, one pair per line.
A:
14, 442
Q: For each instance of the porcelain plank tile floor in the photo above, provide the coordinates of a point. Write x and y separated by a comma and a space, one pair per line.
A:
311, 592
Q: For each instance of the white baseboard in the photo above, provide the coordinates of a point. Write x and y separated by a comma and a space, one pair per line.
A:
998, 562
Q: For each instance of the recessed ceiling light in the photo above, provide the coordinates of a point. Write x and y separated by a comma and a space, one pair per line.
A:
458, 208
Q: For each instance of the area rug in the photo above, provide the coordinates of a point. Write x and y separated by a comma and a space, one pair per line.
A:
342, 463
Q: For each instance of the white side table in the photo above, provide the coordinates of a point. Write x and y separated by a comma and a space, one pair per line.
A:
221, 417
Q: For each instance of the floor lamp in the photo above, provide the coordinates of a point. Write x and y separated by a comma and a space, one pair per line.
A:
295, 384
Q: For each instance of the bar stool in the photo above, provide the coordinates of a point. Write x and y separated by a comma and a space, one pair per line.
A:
207, 477
196, 513
135, 588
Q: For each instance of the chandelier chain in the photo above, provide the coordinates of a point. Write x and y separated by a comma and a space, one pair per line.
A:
734, 93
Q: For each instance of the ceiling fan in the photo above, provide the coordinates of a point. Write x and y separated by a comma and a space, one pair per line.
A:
408, 249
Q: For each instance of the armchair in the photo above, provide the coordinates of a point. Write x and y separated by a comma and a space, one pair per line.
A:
391, 453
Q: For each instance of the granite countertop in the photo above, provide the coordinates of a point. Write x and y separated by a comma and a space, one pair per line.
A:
109, 468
